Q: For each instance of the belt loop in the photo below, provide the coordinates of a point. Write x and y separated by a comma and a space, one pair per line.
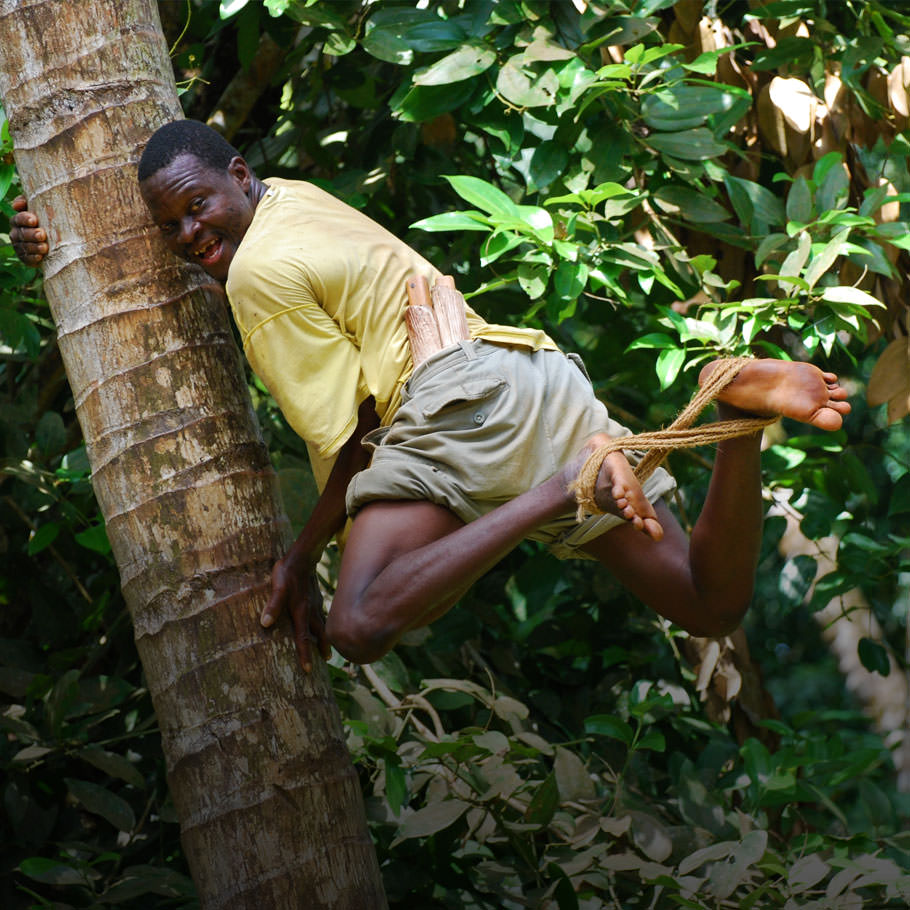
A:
468, 347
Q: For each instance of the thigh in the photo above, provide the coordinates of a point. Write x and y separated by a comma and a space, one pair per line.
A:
382, 532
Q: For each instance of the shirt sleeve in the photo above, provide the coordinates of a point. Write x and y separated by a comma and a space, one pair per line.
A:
311, 368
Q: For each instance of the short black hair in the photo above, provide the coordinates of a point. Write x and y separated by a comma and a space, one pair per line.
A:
185, 136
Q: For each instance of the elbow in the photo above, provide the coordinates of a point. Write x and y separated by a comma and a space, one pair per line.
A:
356, 638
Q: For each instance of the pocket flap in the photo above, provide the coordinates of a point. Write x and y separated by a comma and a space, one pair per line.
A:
470, 390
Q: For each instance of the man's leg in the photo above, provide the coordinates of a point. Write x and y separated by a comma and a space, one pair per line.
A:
407, 562
705, 584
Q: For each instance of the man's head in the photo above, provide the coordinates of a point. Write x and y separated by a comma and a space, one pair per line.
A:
200, 192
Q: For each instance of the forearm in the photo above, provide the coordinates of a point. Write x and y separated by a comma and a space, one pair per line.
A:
329, 514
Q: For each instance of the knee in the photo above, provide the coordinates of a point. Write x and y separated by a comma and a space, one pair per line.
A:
356, 638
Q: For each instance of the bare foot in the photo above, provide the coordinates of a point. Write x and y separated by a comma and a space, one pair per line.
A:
800, 391
617, 490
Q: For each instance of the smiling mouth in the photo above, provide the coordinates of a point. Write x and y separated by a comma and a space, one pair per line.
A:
208, 252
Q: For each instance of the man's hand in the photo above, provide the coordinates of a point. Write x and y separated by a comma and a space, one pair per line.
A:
29, 240
297, 591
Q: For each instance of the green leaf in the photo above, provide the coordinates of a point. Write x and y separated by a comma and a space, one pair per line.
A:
799, 201
454, 221
95, 538
533, 279
466, 62
899, 501
873, 656
100, 801
547, 163
846, 294
683, 107
484, 195
50, 434
608, 725
424, 102
692, 205
396, 789
669, 363
113, 764
756, 206
689, 145
522, 90
544, 802
52, 872
43, 537
431, 819
653, 340
653, 740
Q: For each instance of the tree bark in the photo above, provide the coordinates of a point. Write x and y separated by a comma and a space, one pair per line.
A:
269, 802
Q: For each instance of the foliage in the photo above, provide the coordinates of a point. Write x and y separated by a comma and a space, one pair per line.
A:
631, 176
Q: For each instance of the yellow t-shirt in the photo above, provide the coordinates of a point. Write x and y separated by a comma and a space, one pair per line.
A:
318, 293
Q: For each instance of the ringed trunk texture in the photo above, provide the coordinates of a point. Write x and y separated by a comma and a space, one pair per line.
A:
269, 802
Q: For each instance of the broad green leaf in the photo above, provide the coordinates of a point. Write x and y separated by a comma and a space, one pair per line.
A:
608, 725
432, 818
846, 294
113, 764
572, 776
466, 62
822, 262
424, 102
755, 205
454, 221
395, 785
799, 201
726, 877
484, 195
806, 872
533, 279
683, 107
669, 363
522, 90
95, 538
43, 537
873, 656
691, 205
103, 802
688, 145
793, 264
652, 340
547, 163
544, 802
52, 872
570, 279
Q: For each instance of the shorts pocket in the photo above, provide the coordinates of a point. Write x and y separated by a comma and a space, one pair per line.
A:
469, 391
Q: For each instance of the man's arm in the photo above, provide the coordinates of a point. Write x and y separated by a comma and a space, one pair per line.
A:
294, 585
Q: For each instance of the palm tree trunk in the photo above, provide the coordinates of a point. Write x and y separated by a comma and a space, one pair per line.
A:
269, 802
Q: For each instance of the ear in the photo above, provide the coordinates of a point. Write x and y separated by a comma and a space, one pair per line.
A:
240, 171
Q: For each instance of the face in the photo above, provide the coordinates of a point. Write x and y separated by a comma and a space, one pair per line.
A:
201, 212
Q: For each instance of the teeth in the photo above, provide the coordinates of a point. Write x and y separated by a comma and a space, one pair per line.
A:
201, 254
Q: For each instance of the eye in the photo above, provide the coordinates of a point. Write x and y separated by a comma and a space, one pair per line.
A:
167, 228
197, 205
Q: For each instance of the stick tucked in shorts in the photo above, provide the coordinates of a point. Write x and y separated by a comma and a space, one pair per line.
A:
481, 423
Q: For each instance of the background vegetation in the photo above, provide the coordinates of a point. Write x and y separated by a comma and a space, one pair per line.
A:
653, 182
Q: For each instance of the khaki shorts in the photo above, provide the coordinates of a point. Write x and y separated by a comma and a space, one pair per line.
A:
479, 424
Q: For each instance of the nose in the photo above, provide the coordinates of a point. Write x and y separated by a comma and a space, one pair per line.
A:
188, 229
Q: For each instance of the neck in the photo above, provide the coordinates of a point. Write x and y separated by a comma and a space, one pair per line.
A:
256, 191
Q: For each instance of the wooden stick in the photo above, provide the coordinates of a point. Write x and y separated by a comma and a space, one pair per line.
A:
423, 332
449, 307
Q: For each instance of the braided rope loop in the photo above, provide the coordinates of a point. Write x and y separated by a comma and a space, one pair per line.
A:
679, 435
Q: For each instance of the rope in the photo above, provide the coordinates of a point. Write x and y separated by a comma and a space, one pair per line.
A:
659, 443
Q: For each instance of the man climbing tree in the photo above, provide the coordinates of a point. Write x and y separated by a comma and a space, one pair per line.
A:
473, 452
